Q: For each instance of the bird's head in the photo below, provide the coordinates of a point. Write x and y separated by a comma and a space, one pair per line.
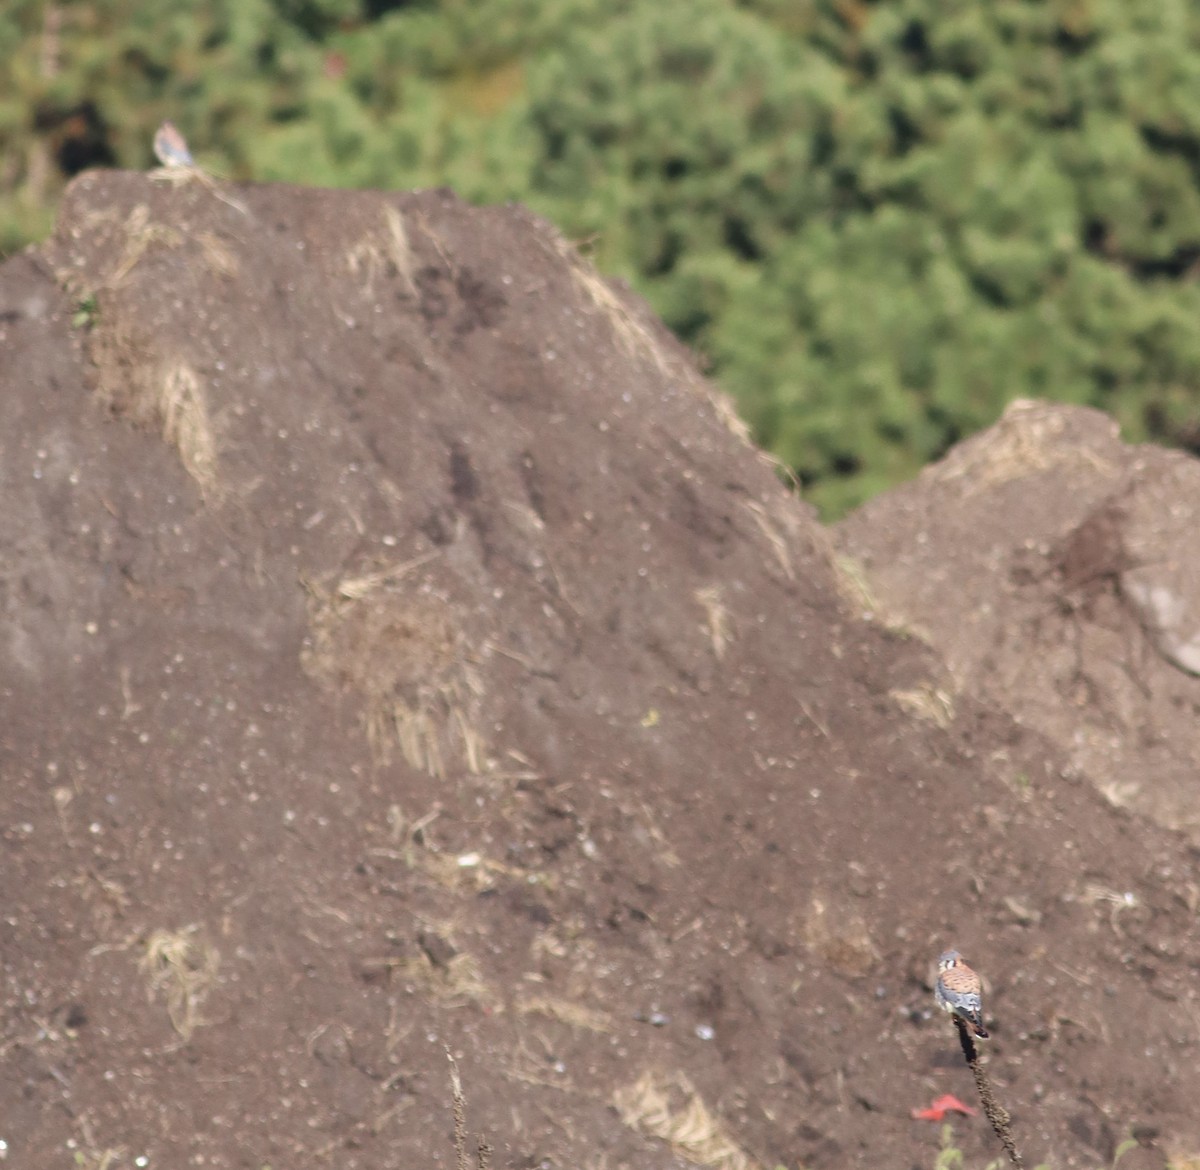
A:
948, 959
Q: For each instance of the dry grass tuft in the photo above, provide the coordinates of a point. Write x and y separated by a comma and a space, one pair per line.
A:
854, 588
183, 967
399, 249
840, 938
218, 256
928, 703
638, 340
372, 254
167, 394
454, 983
852, 584
452, 980
668, 1108
634, 337
407, 656
726, 410
185, 176
471, 872
365, 259
182, 407
1026, 440
439, 969
774, 537
99, 1159
716, 618
135, 377
140, 234
566, 1011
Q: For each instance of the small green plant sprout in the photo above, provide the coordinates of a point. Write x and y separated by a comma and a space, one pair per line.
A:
950, 1157
84, 316
1130, 1143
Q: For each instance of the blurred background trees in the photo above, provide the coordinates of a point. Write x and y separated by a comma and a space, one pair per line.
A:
877, 222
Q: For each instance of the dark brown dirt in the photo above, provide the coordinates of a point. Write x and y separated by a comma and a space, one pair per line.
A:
403, 650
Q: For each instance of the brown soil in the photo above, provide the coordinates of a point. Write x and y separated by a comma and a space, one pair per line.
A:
403, 649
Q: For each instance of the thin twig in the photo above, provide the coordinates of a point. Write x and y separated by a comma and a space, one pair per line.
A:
483, 1152
996, 1113
460, 1115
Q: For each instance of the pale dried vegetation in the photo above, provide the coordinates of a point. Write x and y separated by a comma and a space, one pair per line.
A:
854, 588
455, 983
631, 334
406, 655
471, 872
565, 1011
840, 938
1026, 440
774, 537
137, 235
142, 235
667, 1107
138, 375
157, 391
181, 967
372, 256
716, 618
183, 410
218, 256
926, 702
638, 340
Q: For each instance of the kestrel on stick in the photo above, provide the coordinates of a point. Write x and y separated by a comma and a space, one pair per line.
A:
958, 991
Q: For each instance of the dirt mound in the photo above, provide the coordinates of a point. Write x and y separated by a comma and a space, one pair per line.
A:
404, 649
1057, 572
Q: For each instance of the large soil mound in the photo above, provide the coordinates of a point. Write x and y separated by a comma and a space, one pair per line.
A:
402, 648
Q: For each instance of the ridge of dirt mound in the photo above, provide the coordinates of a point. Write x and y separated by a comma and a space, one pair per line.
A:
1058, 573
403, 648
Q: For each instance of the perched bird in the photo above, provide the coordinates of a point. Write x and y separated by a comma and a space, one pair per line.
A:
957, 991
171, 148
179, 168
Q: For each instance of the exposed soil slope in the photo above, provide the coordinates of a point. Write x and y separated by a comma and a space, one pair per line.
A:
1058, 572
402, 648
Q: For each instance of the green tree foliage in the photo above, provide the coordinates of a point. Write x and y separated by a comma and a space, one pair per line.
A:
879, 221
881, 237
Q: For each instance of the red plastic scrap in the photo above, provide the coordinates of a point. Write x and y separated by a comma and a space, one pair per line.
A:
947, 1103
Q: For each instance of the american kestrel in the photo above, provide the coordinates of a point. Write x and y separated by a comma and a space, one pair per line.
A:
957, 991
171, 148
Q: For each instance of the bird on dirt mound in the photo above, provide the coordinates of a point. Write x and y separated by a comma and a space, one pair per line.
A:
171, 148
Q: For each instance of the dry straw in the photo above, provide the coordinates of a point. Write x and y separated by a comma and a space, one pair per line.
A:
182, 967
669, 1108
